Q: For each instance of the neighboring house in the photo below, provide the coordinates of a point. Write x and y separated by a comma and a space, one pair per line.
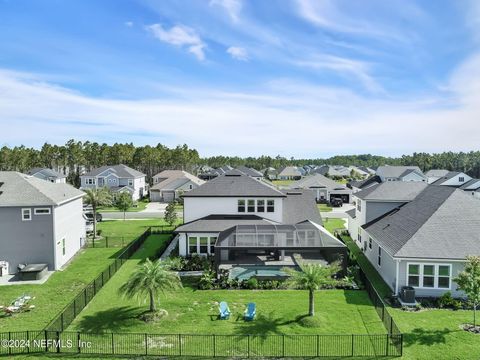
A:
324, 188
48, 174
117, 178
462, 181
435, 174
289, 173
238, 218
40, 222
250, 172
400, 173
169, 185
367, 170
357, 185
213, 173
270, 173
472, 187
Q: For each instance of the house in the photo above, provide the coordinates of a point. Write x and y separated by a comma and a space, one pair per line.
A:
40, 222
117, 178
400, 173
324, 188
357, 185
417, 234
48, 174
435, 174
460, 180
250, 172
169, 185
472, 187
270, 173
213, 173
241, 220
289, 173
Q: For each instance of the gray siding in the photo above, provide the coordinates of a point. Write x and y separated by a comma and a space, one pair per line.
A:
375, 209
387, 269
26, 241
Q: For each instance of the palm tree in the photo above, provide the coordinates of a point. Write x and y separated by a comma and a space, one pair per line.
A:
149, 279
96, 198
311, 277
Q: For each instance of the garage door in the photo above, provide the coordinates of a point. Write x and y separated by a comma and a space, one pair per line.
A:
168, 196
155, 196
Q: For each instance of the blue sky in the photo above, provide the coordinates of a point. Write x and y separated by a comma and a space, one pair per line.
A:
303, 78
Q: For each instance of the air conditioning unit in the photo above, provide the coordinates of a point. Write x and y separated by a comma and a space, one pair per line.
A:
3, 268
407, 294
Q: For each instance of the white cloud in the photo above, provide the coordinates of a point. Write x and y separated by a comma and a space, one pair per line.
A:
345, 67
238, 53
290, 118
128, 23
180, 35
232, 7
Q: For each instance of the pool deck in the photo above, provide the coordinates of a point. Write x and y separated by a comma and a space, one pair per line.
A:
263, 260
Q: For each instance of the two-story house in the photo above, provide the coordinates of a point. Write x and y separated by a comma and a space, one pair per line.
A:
325, 189
40, 222
416, 235
117, 178
400, 173
48, 174
238, 218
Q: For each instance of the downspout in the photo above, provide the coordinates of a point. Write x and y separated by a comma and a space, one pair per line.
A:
54, 234
397, 274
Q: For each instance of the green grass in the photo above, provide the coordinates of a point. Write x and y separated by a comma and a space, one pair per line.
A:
141, 205
332, 224
282, 182
56, 293
324, 208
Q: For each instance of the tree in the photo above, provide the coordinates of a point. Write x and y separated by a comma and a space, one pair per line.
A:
469, 281
96, 198
170, 215
311, 277
149, 280
124, 202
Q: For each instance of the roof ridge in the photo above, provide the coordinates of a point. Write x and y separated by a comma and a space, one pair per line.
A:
27, 180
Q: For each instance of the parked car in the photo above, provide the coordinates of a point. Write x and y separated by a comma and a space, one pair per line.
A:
335, 202
89, 216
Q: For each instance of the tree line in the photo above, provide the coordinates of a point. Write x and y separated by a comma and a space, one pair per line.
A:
76, 156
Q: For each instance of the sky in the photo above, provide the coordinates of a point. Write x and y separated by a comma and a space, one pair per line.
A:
301, 78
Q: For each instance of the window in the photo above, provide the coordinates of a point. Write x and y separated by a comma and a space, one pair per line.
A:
192, 245
270, 206
435, 276
190, 186
241, 205
414, 275
90, 181
359, 205
204, 245
63, 246
379, 256
260, 205
251, 206
213, 240
444, 276
112, 181
359, 235
26, 214
370, 243
42, 211
461, 179
130, 182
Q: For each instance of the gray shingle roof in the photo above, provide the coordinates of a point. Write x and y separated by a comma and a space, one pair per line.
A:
446, 177
436, 173
289, 171
362, 184
473, 184
441, 223
172, 179
317, 181
17, 189
395, 171
232, 185
120, 170
249, 171
392, 191
218, 223
45, 173
300, 206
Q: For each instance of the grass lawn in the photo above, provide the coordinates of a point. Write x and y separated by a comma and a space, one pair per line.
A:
194, 311
141, 205
332, 224
56, 293
324, 208
282, 182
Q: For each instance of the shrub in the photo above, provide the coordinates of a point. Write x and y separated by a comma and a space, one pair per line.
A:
252, 283
310, 322
447, 301
207, 281
99, 232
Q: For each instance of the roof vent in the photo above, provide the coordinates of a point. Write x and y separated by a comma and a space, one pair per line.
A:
294, 193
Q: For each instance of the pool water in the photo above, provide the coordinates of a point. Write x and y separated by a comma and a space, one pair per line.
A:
259, 271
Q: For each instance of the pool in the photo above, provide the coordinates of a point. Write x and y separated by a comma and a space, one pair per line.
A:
262, 272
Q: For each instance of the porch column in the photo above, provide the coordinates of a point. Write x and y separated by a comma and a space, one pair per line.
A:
282, 255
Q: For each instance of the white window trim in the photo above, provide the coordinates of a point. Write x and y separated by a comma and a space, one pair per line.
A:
131, 182
379, 256
29, 214
90, 181
435, 277
209, 246
35, 211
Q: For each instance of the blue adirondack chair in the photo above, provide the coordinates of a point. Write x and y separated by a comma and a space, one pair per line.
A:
224, 311
250, 312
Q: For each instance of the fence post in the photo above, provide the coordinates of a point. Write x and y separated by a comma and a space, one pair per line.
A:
46, 341
214, 352
353, 346
248, 346
28, 341
391, 324
318, 345
283, 345
61, 321
78, 343
386, 350
85, 297
401, 344
180, 344
146, 344
106, 241
58, 342
9, 345
74, 308
113, 345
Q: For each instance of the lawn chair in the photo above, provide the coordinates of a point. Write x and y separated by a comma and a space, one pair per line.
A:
224, 311
250, 312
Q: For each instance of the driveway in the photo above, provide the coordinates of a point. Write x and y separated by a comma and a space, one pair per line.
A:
338, 213
153, 210
155, 207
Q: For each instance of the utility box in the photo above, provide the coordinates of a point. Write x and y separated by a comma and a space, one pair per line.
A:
407, 294
3, 268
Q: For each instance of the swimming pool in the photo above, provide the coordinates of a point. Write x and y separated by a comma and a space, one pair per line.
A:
259, 271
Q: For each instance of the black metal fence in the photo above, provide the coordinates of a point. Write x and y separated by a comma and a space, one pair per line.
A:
122, 241
209, 346
70, 312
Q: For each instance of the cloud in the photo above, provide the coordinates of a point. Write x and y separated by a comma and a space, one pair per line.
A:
283, 116
238, 53
128, 23
345, 67
232, 7
181, 36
